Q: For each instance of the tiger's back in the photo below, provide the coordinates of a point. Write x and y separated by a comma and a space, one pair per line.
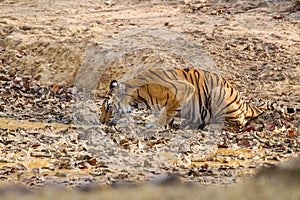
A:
199, 97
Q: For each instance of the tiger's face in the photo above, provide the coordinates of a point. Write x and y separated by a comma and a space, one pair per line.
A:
106, 116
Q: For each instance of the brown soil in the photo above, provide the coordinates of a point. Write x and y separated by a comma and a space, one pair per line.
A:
48, 47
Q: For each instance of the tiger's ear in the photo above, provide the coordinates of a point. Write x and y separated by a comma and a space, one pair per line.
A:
113, 84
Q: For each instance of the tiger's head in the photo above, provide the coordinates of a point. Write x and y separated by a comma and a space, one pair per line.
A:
106, 116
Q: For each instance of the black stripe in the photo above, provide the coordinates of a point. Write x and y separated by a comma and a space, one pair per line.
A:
205, 85
235, 110
167, 99
168, 75
175, 74
144, 79
174, 86
186, 70
198, 88
239, 108
191, 113
217, 79
211, 83
253, 110
157, 105
185, 75
203, 114
144, 101
197, 113
220, 96
226, 106
201, 126
147, 89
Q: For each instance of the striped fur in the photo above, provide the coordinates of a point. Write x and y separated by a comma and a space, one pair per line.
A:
199, 97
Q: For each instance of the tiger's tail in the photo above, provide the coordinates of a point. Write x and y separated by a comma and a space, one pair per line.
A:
255, 111
273, 106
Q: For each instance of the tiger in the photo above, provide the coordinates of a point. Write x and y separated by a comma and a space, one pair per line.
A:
197, 96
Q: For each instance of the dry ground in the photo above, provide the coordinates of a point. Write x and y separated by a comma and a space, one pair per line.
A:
49, 136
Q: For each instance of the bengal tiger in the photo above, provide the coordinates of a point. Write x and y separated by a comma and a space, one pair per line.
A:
199, 97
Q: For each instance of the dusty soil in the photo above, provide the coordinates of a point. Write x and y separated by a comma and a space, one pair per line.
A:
57, 57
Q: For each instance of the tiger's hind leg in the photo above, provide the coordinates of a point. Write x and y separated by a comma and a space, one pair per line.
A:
229, 108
